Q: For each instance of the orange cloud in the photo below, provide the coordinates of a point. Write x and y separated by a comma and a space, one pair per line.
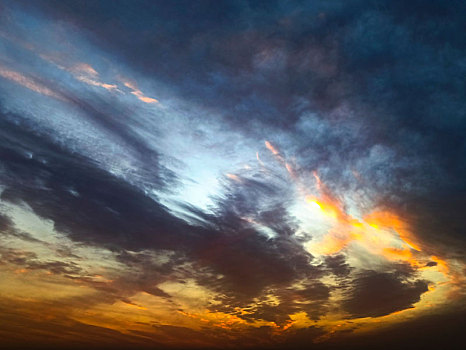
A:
28, 83
271, 148
389, 220
233, 177
258, 159
84, 68
143, 98
81, 71
138, 93
93, 82
381, 232
87, 74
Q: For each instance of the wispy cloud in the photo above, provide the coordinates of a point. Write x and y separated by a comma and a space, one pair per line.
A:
28, 82
138, 93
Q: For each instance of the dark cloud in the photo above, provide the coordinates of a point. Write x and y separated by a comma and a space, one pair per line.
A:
250, 260
311, 298
375, 294
255, 265
327, 52
105, 211
436, 329
7, 228
440, 220
5, 223
110, 213
278, 219
337, 265
58, 331
17, 257
378, 83
30, 261
57, 185
114, 119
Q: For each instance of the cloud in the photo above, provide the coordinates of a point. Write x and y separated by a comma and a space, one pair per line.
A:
85, 68
57, 331
7, 228
30, 261
369, 96
373, 107
87, 74
312, 298
338, 265
435, 329
380, 84
110, 213
375, 294
81, 71
28, 82
105, 213
5, 223
138, 93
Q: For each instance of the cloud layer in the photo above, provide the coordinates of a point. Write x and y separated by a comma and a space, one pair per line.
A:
269, 173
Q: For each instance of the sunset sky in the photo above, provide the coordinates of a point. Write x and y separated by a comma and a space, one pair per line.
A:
232, 174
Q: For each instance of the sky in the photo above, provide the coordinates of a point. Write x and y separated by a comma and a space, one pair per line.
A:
232, 174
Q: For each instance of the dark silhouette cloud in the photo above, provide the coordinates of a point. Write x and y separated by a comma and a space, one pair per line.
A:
5, 223
377, 294
105, 211
338, 265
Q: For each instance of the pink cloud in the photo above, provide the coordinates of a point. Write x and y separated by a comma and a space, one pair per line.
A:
28, 82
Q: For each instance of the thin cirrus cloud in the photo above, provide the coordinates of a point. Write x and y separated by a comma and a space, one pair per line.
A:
138, 93
27, 82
